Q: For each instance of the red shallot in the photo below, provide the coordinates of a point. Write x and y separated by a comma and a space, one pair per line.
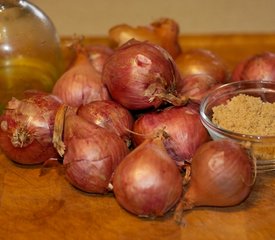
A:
141, 75
182, 124
222, 175
109, 115
26, 128
196, 86
81, 83
202, 61
147, 182
257, 67
91, 155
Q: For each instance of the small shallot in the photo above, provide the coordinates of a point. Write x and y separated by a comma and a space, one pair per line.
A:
26, 128
81, 83
109, 115
222, 175
182, 124
196, 86
147, 182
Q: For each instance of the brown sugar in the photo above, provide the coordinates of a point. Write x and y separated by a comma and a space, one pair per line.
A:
247, 115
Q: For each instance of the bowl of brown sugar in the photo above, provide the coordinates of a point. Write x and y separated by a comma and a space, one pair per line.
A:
243, 111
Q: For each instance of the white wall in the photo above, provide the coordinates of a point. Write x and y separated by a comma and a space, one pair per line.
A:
95, 17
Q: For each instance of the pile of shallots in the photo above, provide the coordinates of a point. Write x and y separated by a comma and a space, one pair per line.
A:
125, 120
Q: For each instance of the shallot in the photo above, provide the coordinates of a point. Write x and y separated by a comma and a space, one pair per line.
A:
92, 153
147, 182
196, 86
109, 115
257, 67
202, 61
81, 83
182, 124
222, 175
26, 128
141, 75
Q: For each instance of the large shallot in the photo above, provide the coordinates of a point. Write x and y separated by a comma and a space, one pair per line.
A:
91, 154
147, 182
141, 75
222, 175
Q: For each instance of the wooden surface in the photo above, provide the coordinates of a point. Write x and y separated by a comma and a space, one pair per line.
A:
34, 206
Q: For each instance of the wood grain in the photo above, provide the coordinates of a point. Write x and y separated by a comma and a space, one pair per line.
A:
35, 206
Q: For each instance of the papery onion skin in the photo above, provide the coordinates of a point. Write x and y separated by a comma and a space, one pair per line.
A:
222, 174
147, 182
109, 115
81, 83
182, 124
257, 67
140, 75
26, 128
92, 154
202, 61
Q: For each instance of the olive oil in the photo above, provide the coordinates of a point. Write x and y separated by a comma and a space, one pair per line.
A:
30, 51
18, 76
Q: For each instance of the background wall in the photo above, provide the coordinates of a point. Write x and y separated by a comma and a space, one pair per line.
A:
96, 17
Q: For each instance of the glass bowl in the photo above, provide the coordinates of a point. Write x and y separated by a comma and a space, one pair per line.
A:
262, 147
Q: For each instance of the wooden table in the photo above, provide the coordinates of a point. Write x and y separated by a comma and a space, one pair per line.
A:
47, 207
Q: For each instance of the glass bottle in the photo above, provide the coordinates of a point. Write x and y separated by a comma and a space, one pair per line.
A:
30, 51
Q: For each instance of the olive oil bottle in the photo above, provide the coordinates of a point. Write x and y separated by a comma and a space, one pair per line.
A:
30, 51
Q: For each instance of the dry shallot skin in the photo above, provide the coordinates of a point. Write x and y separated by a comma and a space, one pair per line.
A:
92, 154
163, 32
26, 128
182, 124
109, 115
81, 83
202, 61
140, 75
216, 181
257, 67
147, 183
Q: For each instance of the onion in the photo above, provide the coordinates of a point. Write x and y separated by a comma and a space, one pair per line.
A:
182, 124
92, 153
196, 86
202, 61
109, 115
163, 32
98, 54
147, 182
140, 75
222, 175
26, 128
81, 83
257, 67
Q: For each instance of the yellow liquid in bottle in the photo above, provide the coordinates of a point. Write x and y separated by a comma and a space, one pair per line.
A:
18, 75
